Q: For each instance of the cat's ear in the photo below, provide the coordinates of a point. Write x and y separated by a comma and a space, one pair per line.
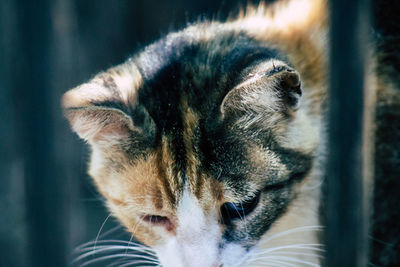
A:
100, 111
270, 88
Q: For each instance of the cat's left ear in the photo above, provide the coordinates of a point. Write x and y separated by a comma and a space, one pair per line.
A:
270, 88
101, 111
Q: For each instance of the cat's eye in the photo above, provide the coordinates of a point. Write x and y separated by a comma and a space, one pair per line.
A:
231, 211
158, 220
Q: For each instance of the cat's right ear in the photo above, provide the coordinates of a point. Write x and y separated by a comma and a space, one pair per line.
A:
271, 88
99, 111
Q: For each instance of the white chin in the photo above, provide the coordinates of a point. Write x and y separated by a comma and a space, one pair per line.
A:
233, 255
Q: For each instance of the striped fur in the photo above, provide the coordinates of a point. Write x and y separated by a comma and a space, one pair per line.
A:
216, 117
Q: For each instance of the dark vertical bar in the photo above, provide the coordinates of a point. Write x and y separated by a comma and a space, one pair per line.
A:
32, 100
12, 205
347, 222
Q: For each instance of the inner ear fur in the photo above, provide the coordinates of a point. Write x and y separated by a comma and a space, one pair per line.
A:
271, 87
100, 125
97, 110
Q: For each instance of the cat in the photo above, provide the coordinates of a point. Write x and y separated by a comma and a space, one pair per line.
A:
208, 144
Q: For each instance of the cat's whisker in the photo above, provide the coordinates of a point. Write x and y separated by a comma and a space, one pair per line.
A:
101, 228
116, 247
150, 229
110, 231
136, 226
130, 245
104, 246
274, 263
291, 259
112, 241
281, 263
278, 263
92, 242
306, 245
136, 256
97, 260
295, 253
244, 221
126, 251
265, 256
134, 230
311, 247
124, 260
284, 249
294, 230
134, 263
118, 262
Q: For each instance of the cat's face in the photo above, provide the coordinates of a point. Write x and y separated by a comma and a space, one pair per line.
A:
199, 143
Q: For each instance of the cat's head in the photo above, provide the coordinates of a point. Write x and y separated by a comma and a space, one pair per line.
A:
199, 143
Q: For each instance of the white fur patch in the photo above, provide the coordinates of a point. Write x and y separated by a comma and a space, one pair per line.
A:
168, 253
233, 255
197, 237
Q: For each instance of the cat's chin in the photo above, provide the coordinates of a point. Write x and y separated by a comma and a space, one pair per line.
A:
233, 255
172, 254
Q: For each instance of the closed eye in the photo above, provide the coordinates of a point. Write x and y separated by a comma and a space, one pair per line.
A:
158, 221
155, 219
295, 177
231, 211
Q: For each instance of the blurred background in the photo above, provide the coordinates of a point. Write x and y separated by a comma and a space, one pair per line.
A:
48, 205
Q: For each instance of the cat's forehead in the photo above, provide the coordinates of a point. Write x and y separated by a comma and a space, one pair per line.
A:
202, 46
187, 75
201, 67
